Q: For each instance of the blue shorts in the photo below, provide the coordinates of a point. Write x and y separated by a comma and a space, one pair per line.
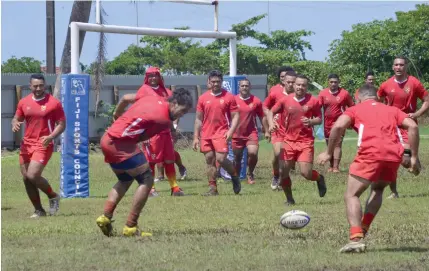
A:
131, 163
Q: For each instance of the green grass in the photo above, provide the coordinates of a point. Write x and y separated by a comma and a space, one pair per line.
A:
227, 232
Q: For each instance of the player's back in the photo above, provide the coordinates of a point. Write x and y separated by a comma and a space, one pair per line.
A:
378, 133
147, 116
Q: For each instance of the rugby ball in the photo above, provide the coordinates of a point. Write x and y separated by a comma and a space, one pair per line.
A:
295, 219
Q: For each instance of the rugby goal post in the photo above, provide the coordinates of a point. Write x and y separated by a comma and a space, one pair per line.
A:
75, 91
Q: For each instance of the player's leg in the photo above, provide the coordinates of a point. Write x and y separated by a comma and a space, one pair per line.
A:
34, 175
32, 191
221, 149
305, 156
115, 195
166, 154
287, 159
337, 156
210, 157
252, 160
179, 163
160, 169
406, 163
238, 145
355, 187
277, 144
145, 181
153, 159
331, 162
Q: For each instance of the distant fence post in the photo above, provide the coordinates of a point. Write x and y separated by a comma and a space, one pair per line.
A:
115, 94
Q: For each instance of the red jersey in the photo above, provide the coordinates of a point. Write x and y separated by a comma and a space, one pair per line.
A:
276, 94
334, 104
144, 119
403, 95
249, 108
377, 126
293, 110
40, 117
216, 110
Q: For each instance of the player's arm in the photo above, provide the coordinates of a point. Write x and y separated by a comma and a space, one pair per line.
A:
16, 122
60, 126
197, 129
317, 116
126, 100
349, 100
423, 109
277, 108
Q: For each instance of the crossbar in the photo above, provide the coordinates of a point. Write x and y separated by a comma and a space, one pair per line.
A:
76, 27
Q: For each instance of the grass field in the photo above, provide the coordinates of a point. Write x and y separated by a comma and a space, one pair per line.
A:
227, 232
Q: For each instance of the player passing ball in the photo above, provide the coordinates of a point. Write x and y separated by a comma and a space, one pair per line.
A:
44, 121
246, 135
143, 120
378, 158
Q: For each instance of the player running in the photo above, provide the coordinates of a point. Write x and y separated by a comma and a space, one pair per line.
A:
246, 135
287, 78
214, 128
44, 121
334, 100
143, 120
160, 148
300, 113
402, 91
377, 160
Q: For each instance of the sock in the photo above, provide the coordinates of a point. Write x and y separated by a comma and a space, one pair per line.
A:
50, 193
356, 233
170, 171
132, 219
287, 182
178, 159
276, 173
367, 220
213, 183
315, 175
109, 208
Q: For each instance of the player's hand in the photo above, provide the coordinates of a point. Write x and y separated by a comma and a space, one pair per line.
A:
306, 121
273, 127
228, 135
146, 142
415, 166
16, 125
413, 116
195, 144
46, 140
323, 158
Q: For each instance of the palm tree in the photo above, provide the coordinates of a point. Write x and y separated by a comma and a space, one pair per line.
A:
81, 11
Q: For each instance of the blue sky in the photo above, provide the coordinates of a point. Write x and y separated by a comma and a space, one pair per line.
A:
24, 35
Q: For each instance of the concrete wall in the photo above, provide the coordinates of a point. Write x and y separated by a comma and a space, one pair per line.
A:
15, 86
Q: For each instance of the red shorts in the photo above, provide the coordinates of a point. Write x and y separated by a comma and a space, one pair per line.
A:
214, 144
37, 153
277, 137
117, 151
241, 143
297, 151
403, 136
375, 170
160, 149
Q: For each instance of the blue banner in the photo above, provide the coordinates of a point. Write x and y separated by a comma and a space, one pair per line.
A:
230, 83
74, 177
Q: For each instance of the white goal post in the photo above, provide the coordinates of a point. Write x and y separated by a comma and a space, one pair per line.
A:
76, 27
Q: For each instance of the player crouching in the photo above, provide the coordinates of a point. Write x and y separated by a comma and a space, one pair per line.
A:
144, 119
377, 161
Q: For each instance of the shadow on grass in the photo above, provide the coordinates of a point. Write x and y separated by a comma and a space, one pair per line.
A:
423, 195
403, 249
6, 208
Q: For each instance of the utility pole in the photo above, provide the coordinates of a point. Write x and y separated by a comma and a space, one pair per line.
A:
50, 37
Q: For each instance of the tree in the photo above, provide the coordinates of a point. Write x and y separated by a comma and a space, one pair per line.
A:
21, 65
373, 46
